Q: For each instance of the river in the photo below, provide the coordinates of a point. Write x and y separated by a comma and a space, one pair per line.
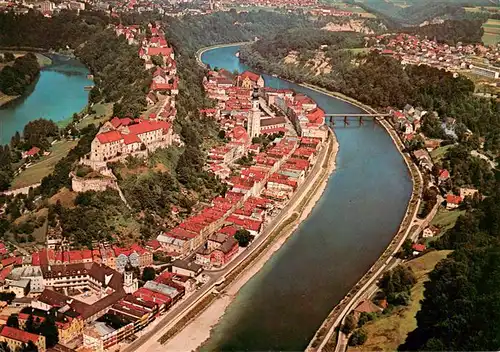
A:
56, 95
283, 305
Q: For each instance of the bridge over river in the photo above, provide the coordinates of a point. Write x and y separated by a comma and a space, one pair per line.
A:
331, 117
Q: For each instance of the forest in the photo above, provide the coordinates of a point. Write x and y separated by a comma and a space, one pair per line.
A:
119, 73
36, 31
451, 31
194, 32
16, 78
457, 312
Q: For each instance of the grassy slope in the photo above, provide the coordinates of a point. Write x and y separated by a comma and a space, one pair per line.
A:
44, 166
438, 153
388, 332
446, 219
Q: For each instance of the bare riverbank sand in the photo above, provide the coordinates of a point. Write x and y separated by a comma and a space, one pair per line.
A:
4, 98
198, 330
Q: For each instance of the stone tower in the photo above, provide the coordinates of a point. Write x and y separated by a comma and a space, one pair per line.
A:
253, 124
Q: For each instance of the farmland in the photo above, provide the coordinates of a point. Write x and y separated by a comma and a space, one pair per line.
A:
491, 32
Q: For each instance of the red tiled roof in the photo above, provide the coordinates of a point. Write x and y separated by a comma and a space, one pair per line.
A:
75, 256
151, 296
5, 272
135, 247
8, 261
108, 137
148, 126
33, 151
130, 138
19, 335
160, 51
153, 244
418, 247
444, 174
452, 199
229, 230
35, 259
250, 75
316, 116
86, 254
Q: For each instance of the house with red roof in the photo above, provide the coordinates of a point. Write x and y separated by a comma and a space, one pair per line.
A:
444, 175
418, 248
17, 338
31, 153
151, 99
453, 201
159, 76
250, 80
316, 116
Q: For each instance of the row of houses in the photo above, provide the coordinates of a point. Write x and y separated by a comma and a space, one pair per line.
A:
412, 49
244, 112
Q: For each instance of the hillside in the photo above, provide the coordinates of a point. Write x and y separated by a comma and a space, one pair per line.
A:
412, 12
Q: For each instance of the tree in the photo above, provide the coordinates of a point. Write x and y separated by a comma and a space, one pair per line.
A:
243, 237
148, 274
397, 283
29, 347
13, 321
8, 56
350, 324
15, 140
407, 247
157, 60
30, 324
48, 329
365, 317
358, 337
15, 79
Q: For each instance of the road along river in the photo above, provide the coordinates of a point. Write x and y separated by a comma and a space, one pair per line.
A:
282, 306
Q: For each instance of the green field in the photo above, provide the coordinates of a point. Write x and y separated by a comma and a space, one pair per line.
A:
446, 219
491, 34
44, 166
438, 153
103, 113
480, 9
389, 331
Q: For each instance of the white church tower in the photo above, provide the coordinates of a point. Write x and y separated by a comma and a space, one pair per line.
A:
130, 285
253, 123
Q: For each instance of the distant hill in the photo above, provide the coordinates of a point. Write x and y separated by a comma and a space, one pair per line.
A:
414, 12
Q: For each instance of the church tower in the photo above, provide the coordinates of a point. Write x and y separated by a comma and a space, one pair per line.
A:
130, 285
253, 124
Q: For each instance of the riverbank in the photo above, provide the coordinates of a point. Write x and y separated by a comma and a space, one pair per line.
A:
196, 332
4, 99
201, 51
